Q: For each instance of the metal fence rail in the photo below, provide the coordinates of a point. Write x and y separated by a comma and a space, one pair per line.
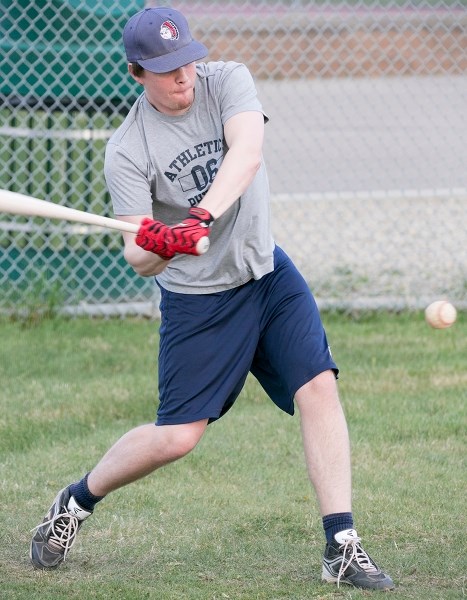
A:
366, 144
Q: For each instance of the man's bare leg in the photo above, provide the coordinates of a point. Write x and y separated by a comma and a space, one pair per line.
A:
136, 454
327, 454
326, 443
140, 452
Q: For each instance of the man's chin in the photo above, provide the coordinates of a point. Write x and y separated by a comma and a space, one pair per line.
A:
183, 104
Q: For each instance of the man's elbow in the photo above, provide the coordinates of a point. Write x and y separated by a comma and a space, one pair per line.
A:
255, 159
257, 162
143, 271
144, 264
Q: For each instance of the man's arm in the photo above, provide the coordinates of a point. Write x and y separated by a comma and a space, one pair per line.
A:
244, 134
144, 263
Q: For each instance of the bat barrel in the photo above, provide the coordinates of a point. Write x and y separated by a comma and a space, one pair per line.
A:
20, 204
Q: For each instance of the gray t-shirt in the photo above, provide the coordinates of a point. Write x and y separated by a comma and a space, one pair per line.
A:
163, 165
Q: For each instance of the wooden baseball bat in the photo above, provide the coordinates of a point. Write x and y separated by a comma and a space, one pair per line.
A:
20, 204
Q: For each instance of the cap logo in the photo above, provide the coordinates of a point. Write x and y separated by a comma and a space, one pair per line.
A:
169, 31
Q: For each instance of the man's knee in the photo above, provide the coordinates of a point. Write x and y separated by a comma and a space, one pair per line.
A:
323, 383
320, 390
180, 440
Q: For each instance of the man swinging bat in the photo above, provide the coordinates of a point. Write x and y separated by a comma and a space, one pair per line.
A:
244, 289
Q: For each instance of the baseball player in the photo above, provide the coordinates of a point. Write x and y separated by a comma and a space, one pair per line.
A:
186, 165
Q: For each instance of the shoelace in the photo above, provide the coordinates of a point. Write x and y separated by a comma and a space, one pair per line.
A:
357, 553
64, 528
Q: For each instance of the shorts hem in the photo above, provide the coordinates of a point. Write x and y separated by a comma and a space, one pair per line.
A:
315, 373
184, 420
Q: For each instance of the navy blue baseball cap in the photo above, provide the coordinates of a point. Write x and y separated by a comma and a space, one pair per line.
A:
159, 40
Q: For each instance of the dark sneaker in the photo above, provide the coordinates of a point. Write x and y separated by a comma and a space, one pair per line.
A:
345, 561
57, 533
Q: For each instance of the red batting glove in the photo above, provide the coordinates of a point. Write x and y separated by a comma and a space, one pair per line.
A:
152, 236
184, 237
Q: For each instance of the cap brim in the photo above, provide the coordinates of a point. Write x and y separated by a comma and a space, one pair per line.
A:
174, 60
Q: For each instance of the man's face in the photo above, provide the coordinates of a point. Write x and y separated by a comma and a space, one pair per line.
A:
170, 93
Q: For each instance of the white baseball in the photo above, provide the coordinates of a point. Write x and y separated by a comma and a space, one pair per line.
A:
440, 314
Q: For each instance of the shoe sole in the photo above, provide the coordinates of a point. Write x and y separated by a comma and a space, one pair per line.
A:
327, 577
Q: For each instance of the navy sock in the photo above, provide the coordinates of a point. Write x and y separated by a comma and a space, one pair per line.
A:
336, 522
83, 496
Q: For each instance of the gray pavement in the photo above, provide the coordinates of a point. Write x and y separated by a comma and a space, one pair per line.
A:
369, 186
353, 135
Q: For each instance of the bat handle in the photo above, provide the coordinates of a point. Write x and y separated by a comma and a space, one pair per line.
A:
202, 245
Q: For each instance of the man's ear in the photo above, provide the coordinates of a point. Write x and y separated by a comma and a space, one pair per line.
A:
137, 78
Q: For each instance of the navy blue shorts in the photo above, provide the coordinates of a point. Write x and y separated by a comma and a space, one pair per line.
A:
209, 343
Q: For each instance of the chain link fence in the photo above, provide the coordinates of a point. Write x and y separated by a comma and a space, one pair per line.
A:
366, 144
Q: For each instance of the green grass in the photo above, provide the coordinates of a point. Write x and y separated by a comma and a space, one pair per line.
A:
237, 518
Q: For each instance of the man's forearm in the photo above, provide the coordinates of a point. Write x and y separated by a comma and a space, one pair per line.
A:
237, 171
244, 136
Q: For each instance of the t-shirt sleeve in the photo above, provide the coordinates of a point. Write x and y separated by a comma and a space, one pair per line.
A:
237, 91
127, 184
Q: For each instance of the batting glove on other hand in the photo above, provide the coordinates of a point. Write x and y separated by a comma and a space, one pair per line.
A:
188, 237
152, 236
191, 235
